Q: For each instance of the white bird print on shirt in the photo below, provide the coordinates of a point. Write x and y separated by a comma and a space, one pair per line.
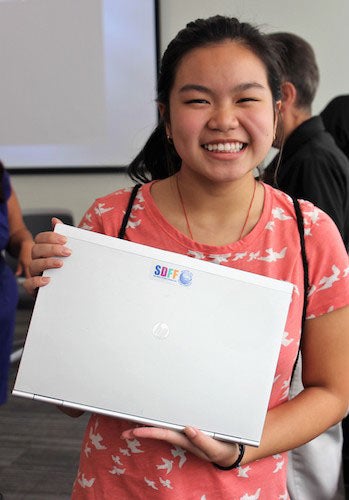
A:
116, 459
279, 213
101, 210
254, 496
133, 224
219, 258
87, 450
88, 216
117, 471
346, 272
151, 484
284, 496
86, 226
276, 379
277, 456
125, 452
239, 256
196, 255
133, 445
327, 281
270, 225
96, 440
273, 256
307, 231
253, 256
177, 451
285, 341
86, 483
313, 216
167, 465
279, 466
242, 471
166, 483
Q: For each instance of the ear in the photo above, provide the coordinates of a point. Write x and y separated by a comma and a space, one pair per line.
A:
162, 111
289, 95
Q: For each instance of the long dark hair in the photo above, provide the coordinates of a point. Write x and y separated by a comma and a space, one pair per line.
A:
158, 159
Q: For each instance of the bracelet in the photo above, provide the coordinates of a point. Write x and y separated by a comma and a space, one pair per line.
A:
237, 461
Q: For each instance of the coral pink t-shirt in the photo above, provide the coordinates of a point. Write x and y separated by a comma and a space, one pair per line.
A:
115, 468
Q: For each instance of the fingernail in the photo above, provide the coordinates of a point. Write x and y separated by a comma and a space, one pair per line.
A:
62, 239
66, 251
45, 280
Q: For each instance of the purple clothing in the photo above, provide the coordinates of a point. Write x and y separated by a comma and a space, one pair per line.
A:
8, 294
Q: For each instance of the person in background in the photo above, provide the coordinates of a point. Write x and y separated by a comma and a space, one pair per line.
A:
309, 166
219, 95
336, 120
17, 240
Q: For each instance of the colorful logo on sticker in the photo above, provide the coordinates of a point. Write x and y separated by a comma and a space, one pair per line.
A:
184, 277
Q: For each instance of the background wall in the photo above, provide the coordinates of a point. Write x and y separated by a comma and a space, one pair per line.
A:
322, 23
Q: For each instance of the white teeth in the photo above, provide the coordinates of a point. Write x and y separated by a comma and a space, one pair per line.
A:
228, 147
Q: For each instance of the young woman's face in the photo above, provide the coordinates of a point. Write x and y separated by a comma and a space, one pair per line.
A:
222, 117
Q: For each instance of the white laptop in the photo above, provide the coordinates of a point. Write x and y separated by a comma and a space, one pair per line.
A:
159, 338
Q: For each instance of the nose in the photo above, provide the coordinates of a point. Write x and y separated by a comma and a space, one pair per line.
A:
223, 118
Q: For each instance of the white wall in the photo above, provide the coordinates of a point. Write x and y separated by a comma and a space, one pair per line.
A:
324, 24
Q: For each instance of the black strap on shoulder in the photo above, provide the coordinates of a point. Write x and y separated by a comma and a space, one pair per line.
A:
133, 195
300, 225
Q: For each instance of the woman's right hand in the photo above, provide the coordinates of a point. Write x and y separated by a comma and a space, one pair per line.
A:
47, 251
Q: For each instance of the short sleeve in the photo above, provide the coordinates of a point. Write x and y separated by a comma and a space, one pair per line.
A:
328, 262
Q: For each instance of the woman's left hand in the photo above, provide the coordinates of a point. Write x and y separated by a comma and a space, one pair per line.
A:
191, 439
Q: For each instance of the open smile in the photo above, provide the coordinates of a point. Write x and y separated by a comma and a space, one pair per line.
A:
225, 147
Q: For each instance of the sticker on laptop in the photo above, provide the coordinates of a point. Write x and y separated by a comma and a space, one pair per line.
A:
171, 274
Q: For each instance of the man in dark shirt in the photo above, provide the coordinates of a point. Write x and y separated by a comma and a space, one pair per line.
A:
309, 165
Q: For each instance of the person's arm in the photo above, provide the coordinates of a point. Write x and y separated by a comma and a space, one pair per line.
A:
323, 402
21, 241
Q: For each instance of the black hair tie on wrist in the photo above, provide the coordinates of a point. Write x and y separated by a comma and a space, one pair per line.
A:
237, 461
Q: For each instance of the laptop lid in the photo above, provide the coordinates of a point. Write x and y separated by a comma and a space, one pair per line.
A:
159, 338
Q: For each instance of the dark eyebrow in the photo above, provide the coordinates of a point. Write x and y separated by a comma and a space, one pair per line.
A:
238, 88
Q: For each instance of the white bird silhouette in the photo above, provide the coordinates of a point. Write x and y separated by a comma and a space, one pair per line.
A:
196, 255
276, 378
313, 216
242, 471
273, 256
239, 256
285, 341
219, 258
125, 452
346, 272
116, 459
86, 483
284, 496
279, 466
133, 225
88, 216
117, 471
311, 290
133, 445
270, 225
96, 440
254, 496
167, 465
327, 281
151, 484
86, 226
87, 450
166, 483
177, 451
277, 456
137, 206
101, 210
279, 213
253, 256
307, 231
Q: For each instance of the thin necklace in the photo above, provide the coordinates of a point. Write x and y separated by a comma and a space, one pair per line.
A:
186, 215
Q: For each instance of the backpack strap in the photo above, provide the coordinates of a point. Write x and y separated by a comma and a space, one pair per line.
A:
300, 225
133, 195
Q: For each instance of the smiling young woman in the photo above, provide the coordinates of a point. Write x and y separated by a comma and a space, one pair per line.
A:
218, 94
